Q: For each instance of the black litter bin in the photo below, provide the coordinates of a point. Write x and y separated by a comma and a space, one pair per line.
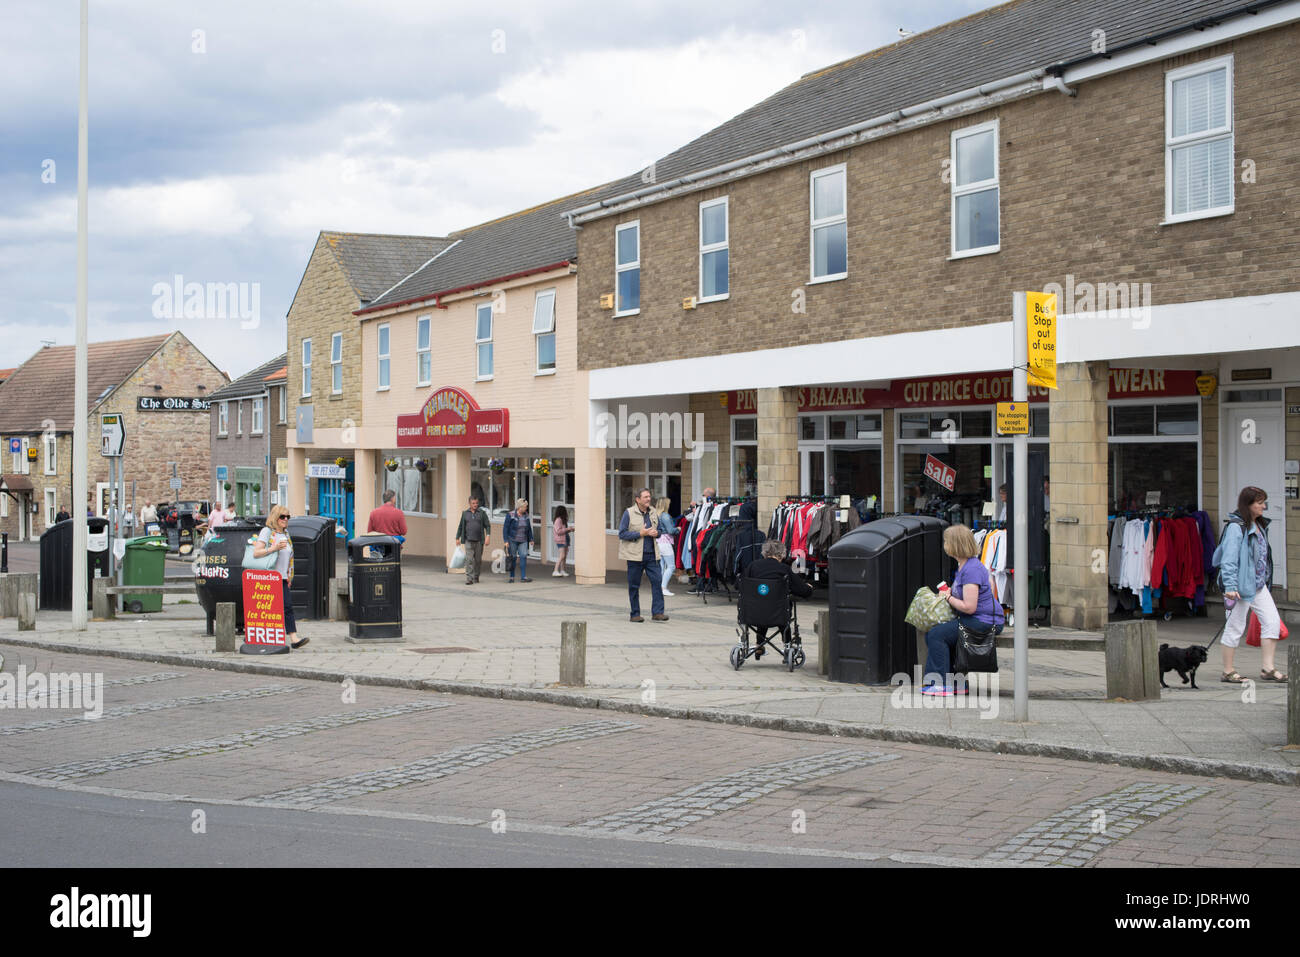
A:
868, 638
314, 554
374, 589
56, 562
217, 570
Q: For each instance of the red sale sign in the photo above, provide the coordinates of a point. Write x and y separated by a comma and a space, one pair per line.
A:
945, 475
263, 609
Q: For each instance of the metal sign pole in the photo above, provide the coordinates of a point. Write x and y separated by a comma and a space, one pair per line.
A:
80, 427
1020, 514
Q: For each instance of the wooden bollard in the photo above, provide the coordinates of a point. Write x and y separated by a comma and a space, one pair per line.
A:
1132, 661
27, 611
823, 642
573, 653
101, 601
225, 626
12, 585
1293, 694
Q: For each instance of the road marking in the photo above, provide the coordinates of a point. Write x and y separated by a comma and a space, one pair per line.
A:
1076, 835
243, 739
732, 791
136, 680
442, 765
127, 711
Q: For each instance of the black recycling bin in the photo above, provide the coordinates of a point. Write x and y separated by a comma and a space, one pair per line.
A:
217, 569
313, 565
56, 562
869, 641
935, 565
374, 589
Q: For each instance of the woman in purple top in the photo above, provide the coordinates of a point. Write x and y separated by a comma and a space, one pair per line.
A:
971, 599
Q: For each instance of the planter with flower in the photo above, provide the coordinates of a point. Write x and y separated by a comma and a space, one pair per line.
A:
341, 462
496, 466
422, 464
391, 464
542, 466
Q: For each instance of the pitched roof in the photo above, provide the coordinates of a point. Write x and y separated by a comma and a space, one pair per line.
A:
42, 387
280, 373
990, 45
373, 262
6, 373
513, 244
252, 382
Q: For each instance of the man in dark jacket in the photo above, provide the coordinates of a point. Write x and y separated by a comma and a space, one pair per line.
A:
773, 566
474, 531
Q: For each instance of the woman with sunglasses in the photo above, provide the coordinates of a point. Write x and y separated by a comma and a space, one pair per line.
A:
274, 539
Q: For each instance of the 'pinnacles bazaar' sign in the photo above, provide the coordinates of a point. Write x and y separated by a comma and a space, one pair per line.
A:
451, 419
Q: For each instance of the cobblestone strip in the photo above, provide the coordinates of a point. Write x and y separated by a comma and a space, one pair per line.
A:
1074, 836
464, 758
126, 711
243, 739
726, 793
136, 680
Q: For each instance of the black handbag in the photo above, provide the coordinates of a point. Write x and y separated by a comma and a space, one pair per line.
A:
975, 652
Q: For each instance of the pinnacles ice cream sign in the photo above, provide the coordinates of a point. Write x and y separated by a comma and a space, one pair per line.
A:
451, 419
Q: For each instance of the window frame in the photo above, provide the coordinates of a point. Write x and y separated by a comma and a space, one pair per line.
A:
620, 268
50, 446
257, 426
1226, 132
383, 358
425, 322
284, 404
306, 368
336, 365
815, 224
539, 334
223, 420
724, 246
239, 417
970, 189
480, 342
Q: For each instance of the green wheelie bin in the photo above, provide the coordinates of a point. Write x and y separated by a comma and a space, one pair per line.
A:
143, 564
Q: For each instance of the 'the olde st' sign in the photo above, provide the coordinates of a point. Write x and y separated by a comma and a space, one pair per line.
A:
171, 403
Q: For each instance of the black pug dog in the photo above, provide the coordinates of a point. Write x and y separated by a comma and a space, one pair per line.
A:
1183, 660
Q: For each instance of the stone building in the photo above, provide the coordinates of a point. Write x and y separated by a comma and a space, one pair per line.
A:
158, 384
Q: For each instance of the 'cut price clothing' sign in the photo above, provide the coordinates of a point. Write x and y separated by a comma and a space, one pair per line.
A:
945, 475
263, 608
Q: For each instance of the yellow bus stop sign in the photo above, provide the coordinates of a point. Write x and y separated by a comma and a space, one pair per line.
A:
1040, 309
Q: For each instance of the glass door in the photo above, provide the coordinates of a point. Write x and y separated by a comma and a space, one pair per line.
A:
562, 494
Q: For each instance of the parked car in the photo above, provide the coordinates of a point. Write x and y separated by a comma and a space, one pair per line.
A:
174, 513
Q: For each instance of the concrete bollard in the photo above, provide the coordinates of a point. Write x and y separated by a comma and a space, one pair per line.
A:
823, 642
226, 627
1293, 694
11, 587
338, 599
1132, 661
27, 611
101, 602
573, 653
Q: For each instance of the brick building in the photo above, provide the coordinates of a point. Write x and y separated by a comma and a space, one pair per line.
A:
834, 270
249, 421
345, 272
159, 384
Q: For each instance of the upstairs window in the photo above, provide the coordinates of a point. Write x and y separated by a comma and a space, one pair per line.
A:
223, 419
544, 330
483, 340
306, 368
284, 405
713, 250
423, 354
336, 363
1198, 141
383, 352
828, 202
975, 190
627, 269
257, 416
51, 442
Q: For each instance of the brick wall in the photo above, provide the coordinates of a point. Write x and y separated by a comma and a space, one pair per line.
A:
1082, 192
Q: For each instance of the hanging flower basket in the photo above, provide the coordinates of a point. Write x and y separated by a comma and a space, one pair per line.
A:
341, 462
496, 466
349, 486
542, 466
257, 487
227, 486
390, 464
422, 464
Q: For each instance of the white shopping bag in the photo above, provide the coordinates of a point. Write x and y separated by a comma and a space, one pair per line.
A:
458, 559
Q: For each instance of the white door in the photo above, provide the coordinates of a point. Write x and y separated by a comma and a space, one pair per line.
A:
1254, 440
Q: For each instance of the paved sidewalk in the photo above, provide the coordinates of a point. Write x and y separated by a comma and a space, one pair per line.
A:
503, 639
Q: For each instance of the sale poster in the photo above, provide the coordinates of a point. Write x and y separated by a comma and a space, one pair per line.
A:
945, 475
264, 611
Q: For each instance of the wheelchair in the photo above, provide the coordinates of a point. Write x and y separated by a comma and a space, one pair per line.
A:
766, 603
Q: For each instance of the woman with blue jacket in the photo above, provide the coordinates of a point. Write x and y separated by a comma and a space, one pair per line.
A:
517, 530
1246, 572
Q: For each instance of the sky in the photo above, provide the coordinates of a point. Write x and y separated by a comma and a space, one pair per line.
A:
225, 135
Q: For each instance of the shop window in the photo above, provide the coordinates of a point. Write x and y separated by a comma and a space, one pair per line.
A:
383, 351
483, 340
627, 269
1038, 421
1198, 141
914, 425
1177, 419
976, 424
1132, 420
714, 280
423, 358
414, 488
1253, 395
971, 488
853, 426
975, 190
829, 228
812, 428
744, 429
1138, 469
624, 477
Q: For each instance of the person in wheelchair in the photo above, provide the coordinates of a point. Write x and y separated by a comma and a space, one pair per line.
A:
774, 567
